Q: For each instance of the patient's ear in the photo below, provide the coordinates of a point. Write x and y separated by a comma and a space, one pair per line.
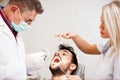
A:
73, 67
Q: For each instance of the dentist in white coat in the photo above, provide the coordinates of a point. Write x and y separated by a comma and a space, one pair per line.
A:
16, 17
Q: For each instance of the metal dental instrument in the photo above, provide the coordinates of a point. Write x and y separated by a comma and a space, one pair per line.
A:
62, 69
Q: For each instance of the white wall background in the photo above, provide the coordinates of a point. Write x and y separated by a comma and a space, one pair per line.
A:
79, 16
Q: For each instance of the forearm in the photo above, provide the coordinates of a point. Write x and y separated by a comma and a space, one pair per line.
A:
85, 46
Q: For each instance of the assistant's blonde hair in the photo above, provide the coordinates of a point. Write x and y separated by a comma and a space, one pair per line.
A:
111, 14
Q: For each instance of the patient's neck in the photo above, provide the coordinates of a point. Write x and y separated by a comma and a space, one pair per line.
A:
60, 77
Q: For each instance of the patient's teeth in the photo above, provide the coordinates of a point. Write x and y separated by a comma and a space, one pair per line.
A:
57, 60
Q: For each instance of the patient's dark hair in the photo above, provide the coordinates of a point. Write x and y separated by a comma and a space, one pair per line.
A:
74, 58
27, 5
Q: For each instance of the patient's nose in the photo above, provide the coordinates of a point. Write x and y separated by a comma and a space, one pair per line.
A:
57, 53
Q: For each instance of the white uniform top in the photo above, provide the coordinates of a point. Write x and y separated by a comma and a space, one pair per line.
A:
108, 67
12, 55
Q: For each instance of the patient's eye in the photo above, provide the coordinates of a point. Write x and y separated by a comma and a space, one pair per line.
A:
64, 54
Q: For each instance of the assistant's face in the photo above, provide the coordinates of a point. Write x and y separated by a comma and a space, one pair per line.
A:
61, 58
103, 30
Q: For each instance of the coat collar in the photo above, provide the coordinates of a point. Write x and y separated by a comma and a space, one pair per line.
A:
7, 22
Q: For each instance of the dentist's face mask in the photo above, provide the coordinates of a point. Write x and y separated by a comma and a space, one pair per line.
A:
21, 26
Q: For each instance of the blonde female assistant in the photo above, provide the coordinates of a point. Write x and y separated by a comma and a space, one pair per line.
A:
109, 65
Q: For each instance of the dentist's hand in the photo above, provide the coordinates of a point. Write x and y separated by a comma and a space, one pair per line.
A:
73, 77
67, 35
46, 54
35, 61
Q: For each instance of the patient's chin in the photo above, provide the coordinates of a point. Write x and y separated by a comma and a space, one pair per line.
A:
56, 71
54, 66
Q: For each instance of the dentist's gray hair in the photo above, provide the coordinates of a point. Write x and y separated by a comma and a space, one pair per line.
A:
27, 5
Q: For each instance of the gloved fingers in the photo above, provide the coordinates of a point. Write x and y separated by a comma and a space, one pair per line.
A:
46, 55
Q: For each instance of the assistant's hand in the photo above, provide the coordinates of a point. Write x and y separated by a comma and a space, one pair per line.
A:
73, 77
67, 35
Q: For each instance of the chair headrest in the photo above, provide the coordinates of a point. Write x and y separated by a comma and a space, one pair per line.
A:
80, 71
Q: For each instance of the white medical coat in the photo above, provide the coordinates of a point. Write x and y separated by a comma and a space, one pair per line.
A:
12, 55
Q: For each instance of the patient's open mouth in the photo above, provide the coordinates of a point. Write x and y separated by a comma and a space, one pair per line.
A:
57, 60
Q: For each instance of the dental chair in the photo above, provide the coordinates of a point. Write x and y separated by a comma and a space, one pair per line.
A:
80, 71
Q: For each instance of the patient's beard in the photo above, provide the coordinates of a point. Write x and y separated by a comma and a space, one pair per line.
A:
57, 71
